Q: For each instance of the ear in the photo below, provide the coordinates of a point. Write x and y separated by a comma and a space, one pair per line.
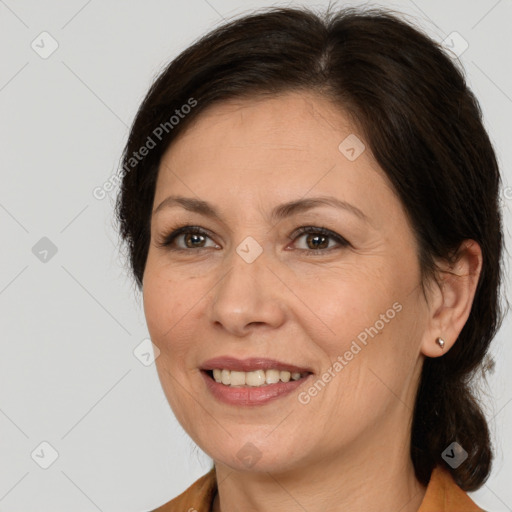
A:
450, 301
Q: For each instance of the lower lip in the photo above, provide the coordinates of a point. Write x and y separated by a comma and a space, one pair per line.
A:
257, 395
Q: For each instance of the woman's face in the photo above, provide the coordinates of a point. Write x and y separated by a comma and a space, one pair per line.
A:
345, 308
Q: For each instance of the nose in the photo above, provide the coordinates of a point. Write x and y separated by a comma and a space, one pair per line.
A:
247, 297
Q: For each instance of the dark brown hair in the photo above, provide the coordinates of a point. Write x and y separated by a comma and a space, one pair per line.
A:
423, 126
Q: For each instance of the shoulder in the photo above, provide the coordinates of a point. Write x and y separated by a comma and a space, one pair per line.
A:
444, 495
196, 498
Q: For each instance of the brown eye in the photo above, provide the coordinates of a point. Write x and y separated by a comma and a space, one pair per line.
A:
193, 237
318, 239
193, 240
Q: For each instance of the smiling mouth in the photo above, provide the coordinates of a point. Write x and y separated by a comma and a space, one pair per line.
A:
256, 378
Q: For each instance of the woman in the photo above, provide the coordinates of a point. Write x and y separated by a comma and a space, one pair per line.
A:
310, 205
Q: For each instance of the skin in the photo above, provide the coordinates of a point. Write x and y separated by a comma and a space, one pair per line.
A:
348, 448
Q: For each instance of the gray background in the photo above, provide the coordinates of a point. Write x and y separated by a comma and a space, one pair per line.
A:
71, 319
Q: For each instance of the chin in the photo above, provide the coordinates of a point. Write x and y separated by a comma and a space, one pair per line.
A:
251, 456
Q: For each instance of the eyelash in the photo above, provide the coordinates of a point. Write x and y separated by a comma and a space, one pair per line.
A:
168, 239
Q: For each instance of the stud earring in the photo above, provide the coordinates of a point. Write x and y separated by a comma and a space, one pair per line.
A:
440, 342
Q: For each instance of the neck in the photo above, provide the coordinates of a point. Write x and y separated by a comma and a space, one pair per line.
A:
368, 476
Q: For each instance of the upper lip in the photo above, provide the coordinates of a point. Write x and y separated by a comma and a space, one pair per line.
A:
250, 364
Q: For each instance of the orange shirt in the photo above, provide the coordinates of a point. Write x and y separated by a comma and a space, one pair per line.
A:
442, 495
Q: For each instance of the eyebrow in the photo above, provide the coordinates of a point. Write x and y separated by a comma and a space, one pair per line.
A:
278, 213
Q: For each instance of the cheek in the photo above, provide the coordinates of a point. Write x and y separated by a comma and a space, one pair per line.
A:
351, 304
169, 314
374, 322
157, 305
173, 310
166, 298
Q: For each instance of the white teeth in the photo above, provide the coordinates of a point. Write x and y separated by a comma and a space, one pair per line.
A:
237, 378
272, 376
255, 378
226, 377
284, 376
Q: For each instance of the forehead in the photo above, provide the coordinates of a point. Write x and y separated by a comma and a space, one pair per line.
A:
285, 146
297, 121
